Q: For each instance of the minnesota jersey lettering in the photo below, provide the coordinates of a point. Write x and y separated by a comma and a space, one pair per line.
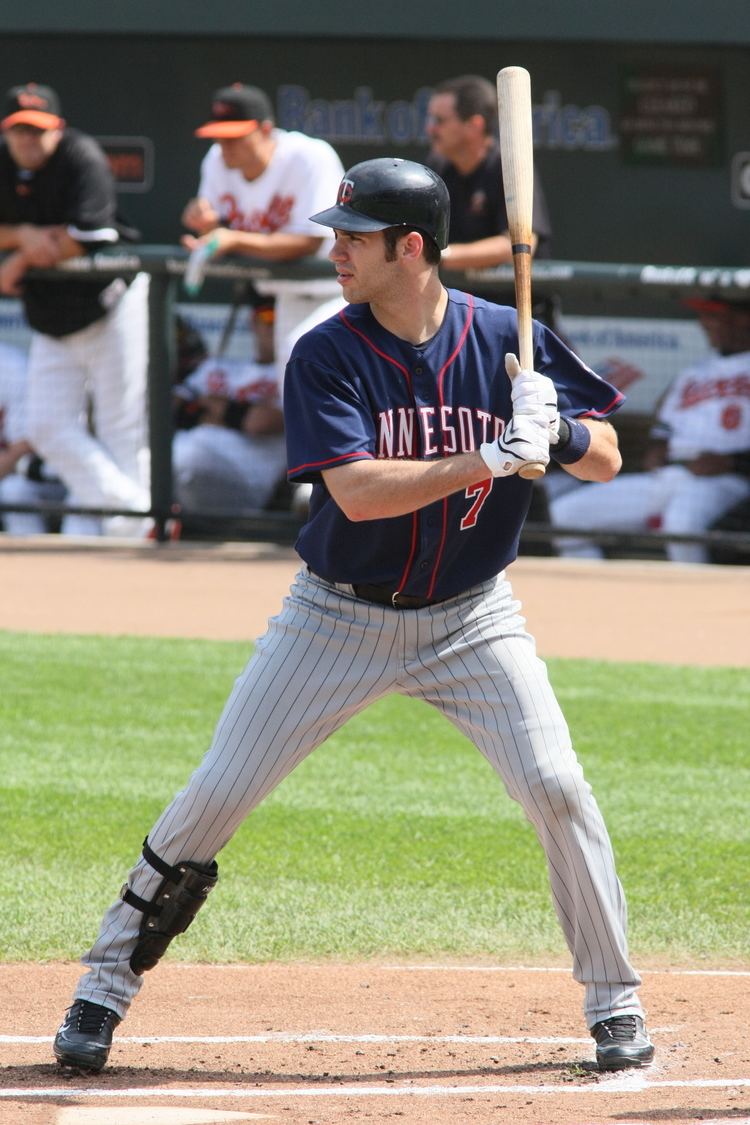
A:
398, 400
440, 434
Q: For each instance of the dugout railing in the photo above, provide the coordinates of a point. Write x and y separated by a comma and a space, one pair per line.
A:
596, 295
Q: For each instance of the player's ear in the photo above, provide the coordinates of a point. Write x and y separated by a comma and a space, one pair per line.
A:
412, 245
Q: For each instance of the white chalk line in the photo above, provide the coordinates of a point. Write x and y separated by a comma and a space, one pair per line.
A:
632, 1083
239, 966
335, 1037
438, 968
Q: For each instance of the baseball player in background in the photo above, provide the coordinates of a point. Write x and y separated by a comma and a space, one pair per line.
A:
697, 465
462, 129
23, 478
89, 338
258, 186
400, 413
229, 453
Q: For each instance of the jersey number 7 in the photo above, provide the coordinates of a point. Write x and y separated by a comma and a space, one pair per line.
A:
481, 491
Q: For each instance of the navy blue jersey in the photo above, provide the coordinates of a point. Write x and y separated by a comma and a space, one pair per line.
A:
354, 392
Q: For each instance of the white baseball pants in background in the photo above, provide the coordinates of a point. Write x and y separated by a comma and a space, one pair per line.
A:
101, 370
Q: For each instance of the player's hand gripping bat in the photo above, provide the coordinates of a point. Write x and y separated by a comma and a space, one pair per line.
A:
517, 157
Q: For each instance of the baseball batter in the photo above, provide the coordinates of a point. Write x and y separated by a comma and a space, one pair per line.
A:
400, 413
698, 463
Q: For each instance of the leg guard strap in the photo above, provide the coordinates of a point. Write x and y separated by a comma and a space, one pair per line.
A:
178, 899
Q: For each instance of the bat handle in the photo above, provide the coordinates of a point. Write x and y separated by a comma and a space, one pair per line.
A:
532, 470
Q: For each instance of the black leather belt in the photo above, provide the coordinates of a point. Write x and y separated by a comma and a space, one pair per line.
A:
383, 595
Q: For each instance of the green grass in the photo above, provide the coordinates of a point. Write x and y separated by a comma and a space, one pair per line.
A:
395, 838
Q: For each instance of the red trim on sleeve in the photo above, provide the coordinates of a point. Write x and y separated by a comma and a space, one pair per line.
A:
607, 409
359, 456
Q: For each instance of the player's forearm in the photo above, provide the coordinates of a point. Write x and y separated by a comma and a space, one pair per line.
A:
68, 247
482, 254
11, 455
382, 489
11, 235
601, 461
41, 246
274, 247
262, 419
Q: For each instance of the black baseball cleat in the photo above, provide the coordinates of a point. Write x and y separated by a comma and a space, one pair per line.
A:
85, 1036
622, 1041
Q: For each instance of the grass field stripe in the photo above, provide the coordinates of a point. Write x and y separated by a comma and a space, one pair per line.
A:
321, 1037
629, 1085
437, 968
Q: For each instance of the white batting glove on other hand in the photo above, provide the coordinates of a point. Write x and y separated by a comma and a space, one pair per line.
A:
525, 438
533, 393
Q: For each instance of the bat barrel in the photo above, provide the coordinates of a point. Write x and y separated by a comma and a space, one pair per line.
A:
517, 158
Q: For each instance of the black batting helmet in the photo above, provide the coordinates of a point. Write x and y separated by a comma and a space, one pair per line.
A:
390, 192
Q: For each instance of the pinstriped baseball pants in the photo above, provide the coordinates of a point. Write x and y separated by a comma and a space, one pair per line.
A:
324, 658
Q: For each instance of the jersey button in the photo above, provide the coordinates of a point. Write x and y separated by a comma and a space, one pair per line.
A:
418, 370
424, 566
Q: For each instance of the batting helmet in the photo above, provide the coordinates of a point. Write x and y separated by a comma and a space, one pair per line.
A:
390, 192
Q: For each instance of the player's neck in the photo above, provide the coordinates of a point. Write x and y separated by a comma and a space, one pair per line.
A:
472, 155
414, 316
257, 161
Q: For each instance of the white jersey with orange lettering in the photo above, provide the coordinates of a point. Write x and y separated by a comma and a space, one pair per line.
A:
300, 180
706, 410
219, 467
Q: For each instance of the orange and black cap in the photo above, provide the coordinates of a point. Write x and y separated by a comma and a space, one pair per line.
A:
236, 111
32, 104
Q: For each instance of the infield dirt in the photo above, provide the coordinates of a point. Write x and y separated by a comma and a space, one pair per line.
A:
335, 1043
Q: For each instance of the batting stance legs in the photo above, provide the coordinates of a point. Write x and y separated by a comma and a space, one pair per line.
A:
325, 657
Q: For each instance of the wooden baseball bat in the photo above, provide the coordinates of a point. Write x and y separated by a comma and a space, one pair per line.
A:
517, 158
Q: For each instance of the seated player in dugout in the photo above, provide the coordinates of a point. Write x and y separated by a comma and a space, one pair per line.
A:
228, 450
696, 467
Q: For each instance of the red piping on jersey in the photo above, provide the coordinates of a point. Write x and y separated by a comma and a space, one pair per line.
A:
383, 355
412, 551
407, 375
441, 374
607, 409
331, 461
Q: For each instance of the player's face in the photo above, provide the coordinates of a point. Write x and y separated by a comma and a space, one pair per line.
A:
728, 331
362, 270
30, 147
446, 130
241, 153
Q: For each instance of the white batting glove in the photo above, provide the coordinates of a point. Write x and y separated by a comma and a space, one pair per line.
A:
525, 438
533, 393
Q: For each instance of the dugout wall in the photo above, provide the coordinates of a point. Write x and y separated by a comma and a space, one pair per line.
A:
642, 134
645, 337
642, 137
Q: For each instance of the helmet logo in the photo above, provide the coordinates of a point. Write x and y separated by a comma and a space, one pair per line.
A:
346, 191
